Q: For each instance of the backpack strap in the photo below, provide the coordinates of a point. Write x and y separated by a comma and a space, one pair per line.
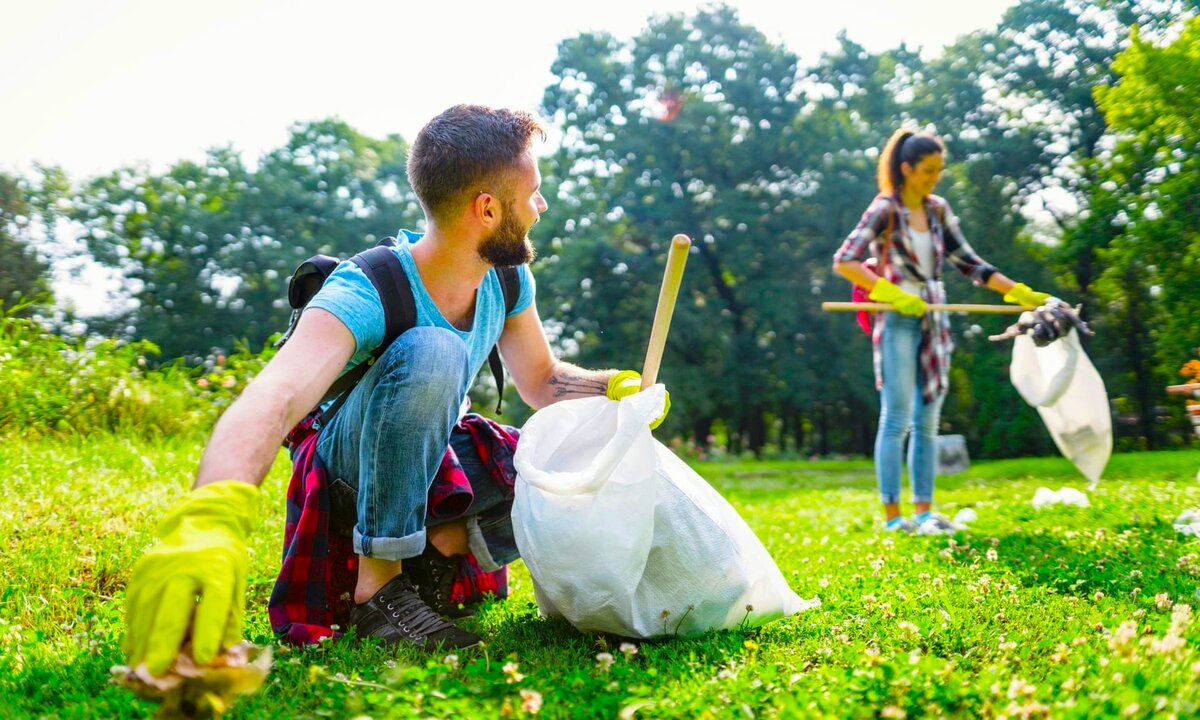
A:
308, 278
383, 269
510, 285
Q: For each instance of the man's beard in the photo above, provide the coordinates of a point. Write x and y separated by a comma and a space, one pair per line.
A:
509, 245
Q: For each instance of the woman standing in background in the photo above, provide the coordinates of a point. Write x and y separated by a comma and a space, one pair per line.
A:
897, 252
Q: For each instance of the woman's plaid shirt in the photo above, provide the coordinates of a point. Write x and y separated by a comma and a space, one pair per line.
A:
898, 261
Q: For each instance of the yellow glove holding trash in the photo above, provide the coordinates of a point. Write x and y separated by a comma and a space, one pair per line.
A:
183, 651
628, 382
1022, 294
201, 553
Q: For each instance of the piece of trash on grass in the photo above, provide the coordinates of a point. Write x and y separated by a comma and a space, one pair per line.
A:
1188, 522
1066, 496
966, 515
188, 690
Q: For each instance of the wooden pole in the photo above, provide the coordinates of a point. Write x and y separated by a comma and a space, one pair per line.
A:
672, 276
959, 307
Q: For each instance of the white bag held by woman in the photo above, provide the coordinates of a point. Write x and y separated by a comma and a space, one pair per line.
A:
1061, 382
621, 536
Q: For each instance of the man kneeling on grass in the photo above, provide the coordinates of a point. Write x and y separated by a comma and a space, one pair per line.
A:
473, 170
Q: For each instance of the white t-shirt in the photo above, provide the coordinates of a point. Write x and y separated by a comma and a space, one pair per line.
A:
922, 244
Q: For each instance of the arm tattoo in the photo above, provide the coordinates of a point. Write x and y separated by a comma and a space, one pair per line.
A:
566, 383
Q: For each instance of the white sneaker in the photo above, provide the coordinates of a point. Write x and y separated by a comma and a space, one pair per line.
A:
899, 524
935, 524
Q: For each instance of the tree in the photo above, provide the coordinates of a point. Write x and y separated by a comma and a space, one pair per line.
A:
24, 276
1148, 195
692, 127
208, 247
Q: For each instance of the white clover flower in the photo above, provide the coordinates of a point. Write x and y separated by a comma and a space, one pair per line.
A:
1019, 687
604, 661
628, 649
1162, 601
452, 661
511, 674
531, 701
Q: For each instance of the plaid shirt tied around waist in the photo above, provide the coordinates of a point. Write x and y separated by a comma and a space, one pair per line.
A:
310, 598
897, 262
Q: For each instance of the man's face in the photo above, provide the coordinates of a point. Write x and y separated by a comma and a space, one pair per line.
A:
509, 245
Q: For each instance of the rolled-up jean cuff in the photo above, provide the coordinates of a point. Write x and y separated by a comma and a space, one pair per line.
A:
385, 548
491, 557
927, 500
890, 499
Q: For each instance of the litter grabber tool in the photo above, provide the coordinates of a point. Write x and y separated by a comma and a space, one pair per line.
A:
929, 307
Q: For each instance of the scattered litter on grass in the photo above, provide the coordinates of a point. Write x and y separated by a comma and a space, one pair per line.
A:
1188, 522
188, 690
966, 515
1045, 497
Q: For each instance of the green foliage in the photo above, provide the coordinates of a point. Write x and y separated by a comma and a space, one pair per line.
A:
1066, 612
207, 247
24, 276
55, 385
703, 124
1137, 250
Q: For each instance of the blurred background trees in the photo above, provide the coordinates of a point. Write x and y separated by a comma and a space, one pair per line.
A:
1074, 165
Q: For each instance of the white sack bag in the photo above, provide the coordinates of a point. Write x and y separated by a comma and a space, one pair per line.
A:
621, 536
1061, 382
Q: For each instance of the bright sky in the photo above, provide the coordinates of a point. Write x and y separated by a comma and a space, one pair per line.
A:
93, 85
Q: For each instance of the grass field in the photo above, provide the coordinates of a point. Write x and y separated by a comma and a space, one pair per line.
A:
1062, 612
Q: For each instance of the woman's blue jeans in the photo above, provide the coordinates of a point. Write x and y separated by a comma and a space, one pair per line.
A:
388, 440
903, 409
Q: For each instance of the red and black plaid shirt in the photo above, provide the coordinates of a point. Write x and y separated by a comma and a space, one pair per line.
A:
314, 589
898, 261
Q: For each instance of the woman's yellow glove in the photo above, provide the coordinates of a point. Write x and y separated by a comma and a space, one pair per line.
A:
201, 554
905, 303
628, 382
1022, 294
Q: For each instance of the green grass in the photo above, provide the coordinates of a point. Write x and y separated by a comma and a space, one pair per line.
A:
1027, 613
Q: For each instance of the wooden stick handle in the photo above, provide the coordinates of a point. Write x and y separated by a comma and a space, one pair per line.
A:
672, 276
960, 307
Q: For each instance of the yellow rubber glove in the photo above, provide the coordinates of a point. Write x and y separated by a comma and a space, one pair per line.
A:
202, 552
1022, 294
905, 303
628, 382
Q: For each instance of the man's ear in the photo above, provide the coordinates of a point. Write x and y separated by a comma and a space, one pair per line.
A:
485, 209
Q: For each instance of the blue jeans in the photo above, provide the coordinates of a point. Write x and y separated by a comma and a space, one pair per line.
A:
489, 519
902, 409
388, 440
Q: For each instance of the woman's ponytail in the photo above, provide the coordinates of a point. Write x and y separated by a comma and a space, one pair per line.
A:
904, 146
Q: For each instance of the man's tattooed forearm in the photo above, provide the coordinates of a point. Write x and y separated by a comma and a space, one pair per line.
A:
568, 383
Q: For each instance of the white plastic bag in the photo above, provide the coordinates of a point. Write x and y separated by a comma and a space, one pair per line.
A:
621, 536
1045, 497
1061, 382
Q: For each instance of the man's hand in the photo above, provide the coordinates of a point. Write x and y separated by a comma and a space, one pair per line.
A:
1022, 294
202, 555
905, 303
628, 382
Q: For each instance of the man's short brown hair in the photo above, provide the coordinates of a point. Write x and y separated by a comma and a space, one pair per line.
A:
464, 150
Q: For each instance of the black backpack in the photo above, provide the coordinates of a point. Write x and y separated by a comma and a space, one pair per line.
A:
383, 269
